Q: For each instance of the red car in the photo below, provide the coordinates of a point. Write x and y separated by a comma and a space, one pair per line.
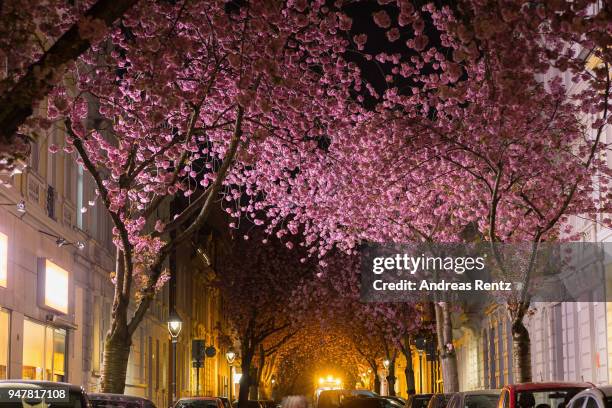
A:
540, 395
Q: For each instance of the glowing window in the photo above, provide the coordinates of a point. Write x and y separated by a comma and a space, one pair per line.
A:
3, 260
56, 287
4, 343
44, 352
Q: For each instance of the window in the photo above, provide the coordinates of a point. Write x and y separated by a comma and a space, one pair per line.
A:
4, 343
150, 365
481, 401
54, 282
51, 202
79, 203
68, 164
3, 260
34, 157
157, 364
164, 358
44, 352
97, 331
553, 398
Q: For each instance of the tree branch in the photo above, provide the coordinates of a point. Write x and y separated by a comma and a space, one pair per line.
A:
91, 168
41, 76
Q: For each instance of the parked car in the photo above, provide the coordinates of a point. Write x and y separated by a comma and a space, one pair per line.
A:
394, 401
439, 400
540, 395
333, 398
199, 402
226, 402
76, 398
599, 397
267, 403
363, 393
418, 400
249, 404
104, 400
398, 399
361, 401
474, 399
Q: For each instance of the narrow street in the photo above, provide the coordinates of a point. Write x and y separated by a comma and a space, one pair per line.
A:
305, 204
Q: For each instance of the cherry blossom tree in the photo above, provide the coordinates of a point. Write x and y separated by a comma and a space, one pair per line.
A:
186, 98
377, 331
536, 131
38, 43
260, 280
274, 107
317, 351
473, 122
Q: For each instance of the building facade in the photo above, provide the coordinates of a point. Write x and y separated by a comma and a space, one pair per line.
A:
56, 259
201, 307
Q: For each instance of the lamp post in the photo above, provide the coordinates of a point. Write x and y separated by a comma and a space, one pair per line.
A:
230, 356
386, 364
175, 324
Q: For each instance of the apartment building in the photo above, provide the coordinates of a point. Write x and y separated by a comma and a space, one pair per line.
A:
56, 257
201, 307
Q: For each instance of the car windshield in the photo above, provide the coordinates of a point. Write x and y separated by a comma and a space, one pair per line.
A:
420, 401
101, 403
394, 403
481, 401
329, 399
196, 404
357, 402
556, 398
439, 400
367, 393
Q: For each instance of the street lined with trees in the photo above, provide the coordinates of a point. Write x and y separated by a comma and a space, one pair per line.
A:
317, 127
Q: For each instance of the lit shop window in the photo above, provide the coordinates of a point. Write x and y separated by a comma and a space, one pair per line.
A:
44, 352
53, 282
4, 344
3, 260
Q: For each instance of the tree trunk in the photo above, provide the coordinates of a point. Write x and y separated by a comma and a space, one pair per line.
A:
254, 386
391, 377
114, 366
374, 368
245, 379
409, 370
446, 350
118, 339
376, 383
521, 351
257, 383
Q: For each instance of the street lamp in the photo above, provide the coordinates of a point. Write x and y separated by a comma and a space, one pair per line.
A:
230, 356
175, 324
386, 364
